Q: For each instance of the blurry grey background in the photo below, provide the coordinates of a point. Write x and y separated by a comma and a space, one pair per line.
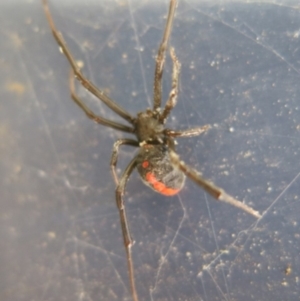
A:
59, 226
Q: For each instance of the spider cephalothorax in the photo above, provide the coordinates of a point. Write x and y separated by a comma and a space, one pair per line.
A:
148, 127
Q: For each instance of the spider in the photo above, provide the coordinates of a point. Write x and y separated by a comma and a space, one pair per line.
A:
156, 160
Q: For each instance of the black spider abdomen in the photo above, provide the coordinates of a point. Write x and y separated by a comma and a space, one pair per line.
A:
157, 171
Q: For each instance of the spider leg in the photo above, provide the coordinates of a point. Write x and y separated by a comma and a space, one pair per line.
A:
160, 58
187, 133
209, 187
171, 102
90, 114
114, 156
82, 79
124, 223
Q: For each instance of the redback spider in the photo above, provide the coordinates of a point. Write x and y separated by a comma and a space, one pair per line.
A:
156, 161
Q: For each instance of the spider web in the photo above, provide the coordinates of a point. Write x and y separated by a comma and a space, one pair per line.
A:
60, 230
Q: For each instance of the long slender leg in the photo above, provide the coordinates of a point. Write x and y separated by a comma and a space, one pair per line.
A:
124, 224
187, 133
160, 58
83, 80
209, 187
90, 114
114, 156
171, 102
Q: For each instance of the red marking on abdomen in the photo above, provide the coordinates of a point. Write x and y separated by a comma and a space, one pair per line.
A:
159, 186
145, 164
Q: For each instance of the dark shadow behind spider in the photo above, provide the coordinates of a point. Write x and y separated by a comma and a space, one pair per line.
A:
156, 161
